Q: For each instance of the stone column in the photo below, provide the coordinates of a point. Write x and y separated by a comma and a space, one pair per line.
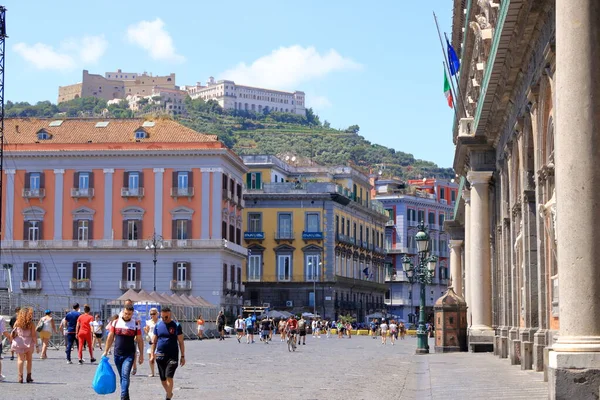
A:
481, 334
58, 202
467, 267
456, 266
9, 204
575, 360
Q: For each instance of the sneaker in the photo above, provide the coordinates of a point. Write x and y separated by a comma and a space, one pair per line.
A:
69, 362
239, 340
2, 378
80, 361
93, 360
12, 358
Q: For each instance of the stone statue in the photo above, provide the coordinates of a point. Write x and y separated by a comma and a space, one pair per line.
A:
549, 210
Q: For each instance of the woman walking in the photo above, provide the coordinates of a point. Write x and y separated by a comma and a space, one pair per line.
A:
384, 331
97, 326
149, 331
200, 329
49, 328
24, 341
393, 331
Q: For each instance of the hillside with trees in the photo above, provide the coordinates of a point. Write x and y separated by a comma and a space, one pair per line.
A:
247, 132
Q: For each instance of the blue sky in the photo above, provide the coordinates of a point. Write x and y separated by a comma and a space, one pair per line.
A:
376, 64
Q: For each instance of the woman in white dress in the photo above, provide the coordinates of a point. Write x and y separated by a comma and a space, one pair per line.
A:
149, 331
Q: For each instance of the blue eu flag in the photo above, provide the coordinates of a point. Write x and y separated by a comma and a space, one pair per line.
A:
452, 59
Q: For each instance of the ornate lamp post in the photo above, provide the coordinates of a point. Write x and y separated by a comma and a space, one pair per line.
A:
423, 274
155, 243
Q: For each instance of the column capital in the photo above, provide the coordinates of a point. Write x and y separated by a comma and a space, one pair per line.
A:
109, 170
466, 195
155, 170
479, 177
10, 171
59, 171
455, 243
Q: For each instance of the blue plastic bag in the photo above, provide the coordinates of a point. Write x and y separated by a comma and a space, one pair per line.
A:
105, 380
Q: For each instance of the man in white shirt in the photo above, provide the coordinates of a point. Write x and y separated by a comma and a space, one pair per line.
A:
240, 326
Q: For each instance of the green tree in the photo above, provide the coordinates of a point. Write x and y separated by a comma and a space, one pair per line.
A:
353, 129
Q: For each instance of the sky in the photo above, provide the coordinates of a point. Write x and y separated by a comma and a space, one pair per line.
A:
375, 64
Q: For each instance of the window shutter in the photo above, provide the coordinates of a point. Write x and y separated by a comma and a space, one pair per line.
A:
140, 232
188, 271
248, 180
190, 179
74, 270
25, 266
124, 271
174, 271
124, 229
174, 185
38, 271
138, 271
88, 266
189, 229
91, 184
25, 230
174, 229
76, 180
42, 180
27, 180
258, 183
75, 222
141, 179
125, 179
41, 225
90, 230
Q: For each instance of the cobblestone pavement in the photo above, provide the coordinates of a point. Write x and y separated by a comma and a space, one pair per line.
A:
349, 369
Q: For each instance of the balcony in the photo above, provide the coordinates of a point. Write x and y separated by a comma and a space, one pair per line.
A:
390, 224
77, 193
182, 192
126, 285
413, 223
226, 194
364, 244
228, 285
345, 239
312, 235
80, 284
378, 250
396, 249
181, 285
284, 235
241, 203
34, 193
249, 235
132, 192
31, 285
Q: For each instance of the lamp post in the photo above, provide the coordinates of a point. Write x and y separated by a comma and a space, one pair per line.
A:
421, 273
155, 243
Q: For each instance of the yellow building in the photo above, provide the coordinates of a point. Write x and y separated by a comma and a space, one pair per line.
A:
312, 230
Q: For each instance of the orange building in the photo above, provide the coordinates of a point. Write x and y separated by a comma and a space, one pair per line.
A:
83, 199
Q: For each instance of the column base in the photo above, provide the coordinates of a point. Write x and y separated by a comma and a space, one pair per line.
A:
503, 342
540, 341
574, 375
526, 336
514, 346
481, 339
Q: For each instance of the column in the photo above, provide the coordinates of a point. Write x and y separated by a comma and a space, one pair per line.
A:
10, 204
455, 265
108, 204
466, 194
158, 199
481, 334
575, 360
58, 202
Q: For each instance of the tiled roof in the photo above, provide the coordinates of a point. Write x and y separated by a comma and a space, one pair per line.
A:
84, 130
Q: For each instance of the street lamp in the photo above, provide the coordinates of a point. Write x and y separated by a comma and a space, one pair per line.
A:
155, 243
423, 274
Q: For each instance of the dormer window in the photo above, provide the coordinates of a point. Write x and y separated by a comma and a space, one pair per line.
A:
43, 135
141, 134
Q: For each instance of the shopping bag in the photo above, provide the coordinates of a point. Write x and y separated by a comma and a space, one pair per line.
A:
105, 380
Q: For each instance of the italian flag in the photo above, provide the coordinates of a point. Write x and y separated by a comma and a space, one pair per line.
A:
447, 91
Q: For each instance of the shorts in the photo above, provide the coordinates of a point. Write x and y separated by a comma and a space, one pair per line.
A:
166, 367
303, 332
200, 327
250, 331
240, 330
220, 327
45, 335
98, 335
293, 332
265, 333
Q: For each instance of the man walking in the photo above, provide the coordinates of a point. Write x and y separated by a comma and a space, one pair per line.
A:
71, 321
167, 341
249, 330
122, 332
221, 325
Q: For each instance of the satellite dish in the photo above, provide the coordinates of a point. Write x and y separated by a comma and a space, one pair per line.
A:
294, 158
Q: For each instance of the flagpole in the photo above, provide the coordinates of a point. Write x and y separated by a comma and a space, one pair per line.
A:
453, 95
447, 66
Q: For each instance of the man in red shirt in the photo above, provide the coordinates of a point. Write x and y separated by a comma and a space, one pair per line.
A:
83, 331
291, 325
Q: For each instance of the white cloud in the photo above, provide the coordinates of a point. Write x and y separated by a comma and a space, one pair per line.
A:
287, 67
72, 53
317, 102
152, 37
